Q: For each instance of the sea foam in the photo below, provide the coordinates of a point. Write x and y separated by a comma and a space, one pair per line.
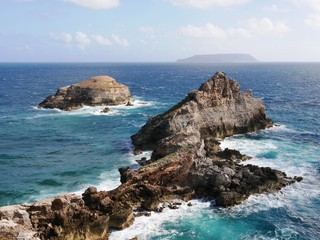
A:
121, 109
152, 227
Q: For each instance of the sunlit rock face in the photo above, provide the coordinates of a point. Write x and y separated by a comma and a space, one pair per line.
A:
96, 91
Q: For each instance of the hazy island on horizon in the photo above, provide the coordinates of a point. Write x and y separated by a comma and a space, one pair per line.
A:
218, 58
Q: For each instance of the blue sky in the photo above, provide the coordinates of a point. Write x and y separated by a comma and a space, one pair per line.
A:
157, 30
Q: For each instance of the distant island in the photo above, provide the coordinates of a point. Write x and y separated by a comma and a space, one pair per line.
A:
218, 58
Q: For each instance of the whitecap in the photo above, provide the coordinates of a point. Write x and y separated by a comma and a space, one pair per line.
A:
99, 112
109, 180
133, 158
248, 146
137, 103
121, 109
280, 128
147, 227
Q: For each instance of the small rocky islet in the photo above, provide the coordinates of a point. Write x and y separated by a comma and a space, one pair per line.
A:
96, 91
187, 163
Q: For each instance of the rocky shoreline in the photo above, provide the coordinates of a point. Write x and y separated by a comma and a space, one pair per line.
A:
186, 163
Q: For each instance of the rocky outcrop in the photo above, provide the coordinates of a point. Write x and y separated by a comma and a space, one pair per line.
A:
15, 222
187, 163
96, 91
217, 110
189, 173
64, 217
186, 174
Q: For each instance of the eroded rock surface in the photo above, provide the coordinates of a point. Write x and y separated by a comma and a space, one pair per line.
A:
96, 91
217, 110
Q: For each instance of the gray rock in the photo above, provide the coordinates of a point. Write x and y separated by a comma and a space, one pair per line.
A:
217, 110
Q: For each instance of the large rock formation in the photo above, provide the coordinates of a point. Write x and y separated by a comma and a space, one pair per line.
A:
188, 163
185, 174
96, 91
217, 110
64, 217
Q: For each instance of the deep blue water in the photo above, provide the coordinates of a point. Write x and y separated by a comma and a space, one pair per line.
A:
48, 152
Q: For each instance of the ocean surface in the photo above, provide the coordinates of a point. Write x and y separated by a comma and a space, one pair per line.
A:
44, 153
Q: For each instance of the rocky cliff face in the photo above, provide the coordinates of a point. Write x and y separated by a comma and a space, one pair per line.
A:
217, 110
96, 91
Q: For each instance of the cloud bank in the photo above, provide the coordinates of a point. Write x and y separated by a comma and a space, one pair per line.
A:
203, 4
83, 40
97, 4
254, 27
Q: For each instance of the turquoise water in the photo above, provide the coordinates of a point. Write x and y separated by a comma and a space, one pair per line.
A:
48, 152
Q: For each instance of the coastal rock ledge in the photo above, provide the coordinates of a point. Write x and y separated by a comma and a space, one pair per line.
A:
187, 163
96, 91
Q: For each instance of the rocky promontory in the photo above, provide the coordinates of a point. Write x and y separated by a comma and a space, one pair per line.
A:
96, 91
187, 163
216, 110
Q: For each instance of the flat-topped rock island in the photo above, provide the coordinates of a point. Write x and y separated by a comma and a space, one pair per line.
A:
187, 163
96, 91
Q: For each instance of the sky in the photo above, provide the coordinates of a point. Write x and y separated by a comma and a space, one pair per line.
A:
158, 30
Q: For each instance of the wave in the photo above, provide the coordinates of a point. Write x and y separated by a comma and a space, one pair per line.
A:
293, 203
122, 110
279, 128
295, 160
153, 226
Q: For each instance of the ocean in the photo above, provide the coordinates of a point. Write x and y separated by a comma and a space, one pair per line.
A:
44, 153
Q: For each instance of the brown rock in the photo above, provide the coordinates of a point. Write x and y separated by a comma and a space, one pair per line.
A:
137, 151
96, 91
15, 222
106, 110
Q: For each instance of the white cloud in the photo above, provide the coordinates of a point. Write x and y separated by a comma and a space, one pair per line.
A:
121, 41
275, 8
265, 26
313, 20
148, 30
211, 31
239, 33
315, 4
97, 4
207, 31
207, 3
82, 39
101, 40
64, 37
